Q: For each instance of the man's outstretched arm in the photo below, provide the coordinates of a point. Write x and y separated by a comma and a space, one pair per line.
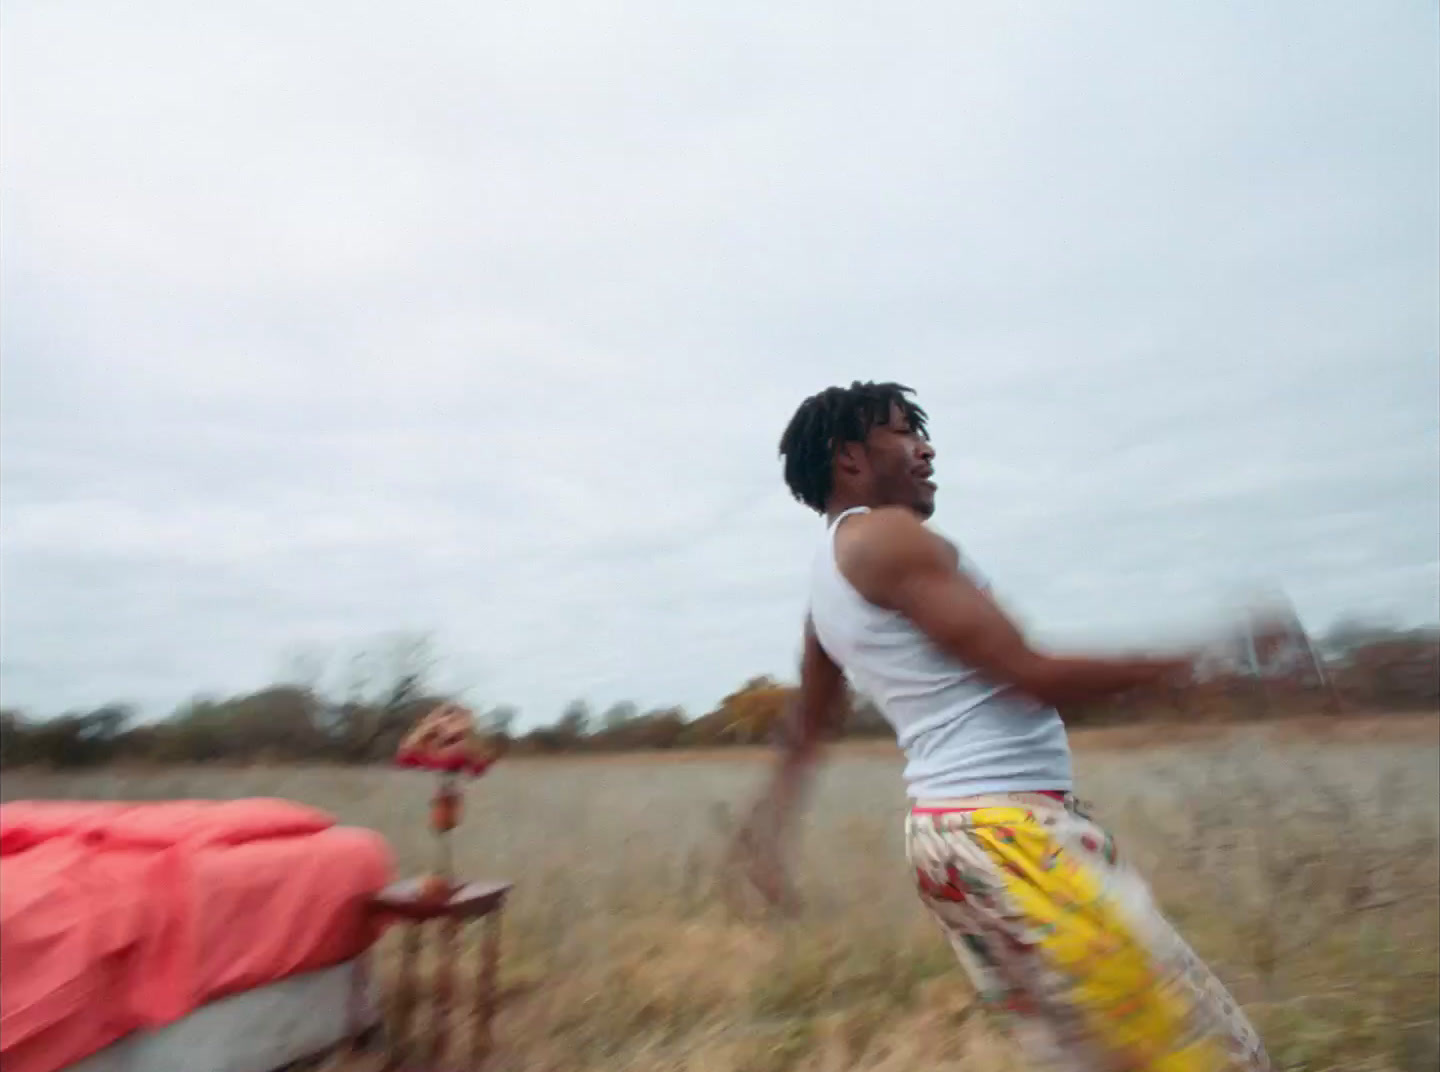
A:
896, 562
817, 708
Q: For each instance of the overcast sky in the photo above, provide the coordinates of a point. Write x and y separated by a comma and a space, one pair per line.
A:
323, 321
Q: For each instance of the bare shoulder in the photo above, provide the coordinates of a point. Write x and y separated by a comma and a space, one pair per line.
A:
877, 549
884, 530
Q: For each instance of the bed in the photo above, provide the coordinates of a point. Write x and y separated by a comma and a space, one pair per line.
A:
135, 935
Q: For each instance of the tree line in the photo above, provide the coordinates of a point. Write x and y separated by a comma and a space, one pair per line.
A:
1355, 667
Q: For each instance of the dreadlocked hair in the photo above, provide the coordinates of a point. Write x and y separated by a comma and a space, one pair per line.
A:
827, 421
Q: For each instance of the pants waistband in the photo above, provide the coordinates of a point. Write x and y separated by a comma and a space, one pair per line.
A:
1052, 798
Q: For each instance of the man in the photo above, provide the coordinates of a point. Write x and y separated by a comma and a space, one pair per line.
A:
1055, 930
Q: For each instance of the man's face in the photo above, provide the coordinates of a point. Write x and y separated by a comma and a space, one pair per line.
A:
900, 464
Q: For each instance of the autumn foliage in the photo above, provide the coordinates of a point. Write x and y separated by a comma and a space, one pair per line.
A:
1364, 671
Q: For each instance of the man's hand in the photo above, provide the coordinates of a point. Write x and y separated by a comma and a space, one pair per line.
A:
1171, 676
759, 848
757, 851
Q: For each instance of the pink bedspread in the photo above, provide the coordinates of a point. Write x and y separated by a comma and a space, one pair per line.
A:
115, 917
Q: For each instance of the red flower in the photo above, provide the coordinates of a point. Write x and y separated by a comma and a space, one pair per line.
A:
445, 741
454, 763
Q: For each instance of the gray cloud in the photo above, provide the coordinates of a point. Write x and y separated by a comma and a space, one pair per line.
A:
326, 322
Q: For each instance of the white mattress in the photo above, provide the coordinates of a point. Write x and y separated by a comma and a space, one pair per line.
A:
258, 1030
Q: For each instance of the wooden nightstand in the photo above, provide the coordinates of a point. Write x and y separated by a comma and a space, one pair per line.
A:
404, 905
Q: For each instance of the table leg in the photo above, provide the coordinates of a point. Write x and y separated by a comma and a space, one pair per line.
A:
485, 993
407, 993
448, 943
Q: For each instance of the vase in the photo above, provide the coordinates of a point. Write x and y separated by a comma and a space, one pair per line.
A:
445, 813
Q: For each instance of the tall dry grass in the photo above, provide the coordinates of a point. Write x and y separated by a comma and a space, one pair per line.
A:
1305, 872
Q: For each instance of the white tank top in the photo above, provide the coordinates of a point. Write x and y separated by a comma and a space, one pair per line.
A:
961, 735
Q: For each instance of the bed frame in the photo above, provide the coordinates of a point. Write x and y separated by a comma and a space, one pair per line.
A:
284, 1025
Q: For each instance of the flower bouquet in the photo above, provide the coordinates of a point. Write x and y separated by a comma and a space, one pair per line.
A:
446, 742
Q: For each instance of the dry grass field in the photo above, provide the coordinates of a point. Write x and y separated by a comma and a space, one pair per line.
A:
1302, 863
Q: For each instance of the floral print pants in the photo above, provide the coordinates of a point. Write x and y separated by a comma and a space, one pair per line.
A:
1062, 938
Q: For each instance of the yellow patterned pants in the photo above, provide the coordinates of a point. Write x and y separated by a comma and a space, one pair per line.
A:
1062, 938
